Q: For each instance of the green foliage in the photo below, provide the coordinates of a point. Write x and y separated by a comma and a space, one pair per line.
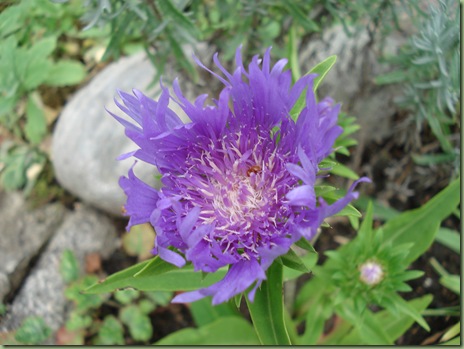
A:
267, 311
223, 331
33, 330
339, 287
31, 51
110, 332
157, 275
20, 166
428, 69
69, 267
131, 318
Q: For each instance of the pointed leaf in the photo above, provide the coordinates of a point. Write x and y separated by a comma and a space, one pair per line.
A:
267, 311
156, 275
65, 73
420, 226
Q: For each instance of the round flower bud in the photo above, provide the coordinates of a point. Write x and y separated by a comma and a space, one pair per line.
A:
371, 273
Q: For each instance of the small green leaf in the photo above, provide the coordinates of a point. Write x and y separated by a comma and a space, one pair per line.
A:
78, 321
452, 282
139, 323
204, 313
291, 260
110, 332
159, 297
304, 244
65, 73
394, 326
69, 266
170, 11
83, 302
224, 331
36, 126
449, 238
407, 309
321, 69
420, 226
343, 171
146, 306
126, 296
390, 78
33, 330
267, 312
452, 332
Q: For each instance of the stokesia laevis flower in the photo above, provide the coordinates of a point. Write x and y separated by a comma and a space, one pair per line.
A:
238, 180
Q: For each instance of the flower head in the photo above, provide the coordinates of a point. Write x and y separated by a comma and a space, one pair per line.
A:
238, 180
371, 273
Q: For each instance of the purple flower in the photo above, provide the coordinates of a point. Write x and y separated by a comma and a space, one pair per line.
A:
238, 180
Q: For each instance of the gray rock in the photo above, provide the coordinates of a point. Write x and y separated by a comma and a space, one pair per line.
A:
351, 79
87, 140
42, 294
23, 234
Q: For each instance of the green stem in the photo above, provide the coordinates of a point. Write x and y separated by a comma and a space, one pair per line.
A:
267, 309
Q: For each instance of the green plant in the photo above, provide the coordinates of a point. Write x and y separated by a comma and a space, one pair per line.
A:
428, 68
33, 54
128, 320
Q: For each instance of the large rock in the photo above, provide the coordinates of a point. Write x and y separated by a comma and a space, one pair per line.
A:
87, 140
351, 79
23, 234
42, 294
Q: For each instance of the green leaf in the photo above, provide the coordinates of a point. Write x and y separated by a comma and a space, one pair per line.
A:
321, 69
452, 332
433, 159
406, 308
139, 323
170, 10
316, 317
157, 275
78, 321
298, 15
343, 171
65, 73
126, 296
291, 260
390, 78
83, 302
33, 330
449, 238
204, 313
33, 64
69, 266
10, 20
292, 50
110, 332
455, 341
394, 326
452, 282
159, 297
146, 306
267, 312
309, 260
372, 332
366, 232
224, 331
420, 226
36, 125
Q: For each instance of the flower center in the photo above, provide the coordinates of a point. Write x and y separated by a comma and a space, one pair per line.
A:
239, 184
